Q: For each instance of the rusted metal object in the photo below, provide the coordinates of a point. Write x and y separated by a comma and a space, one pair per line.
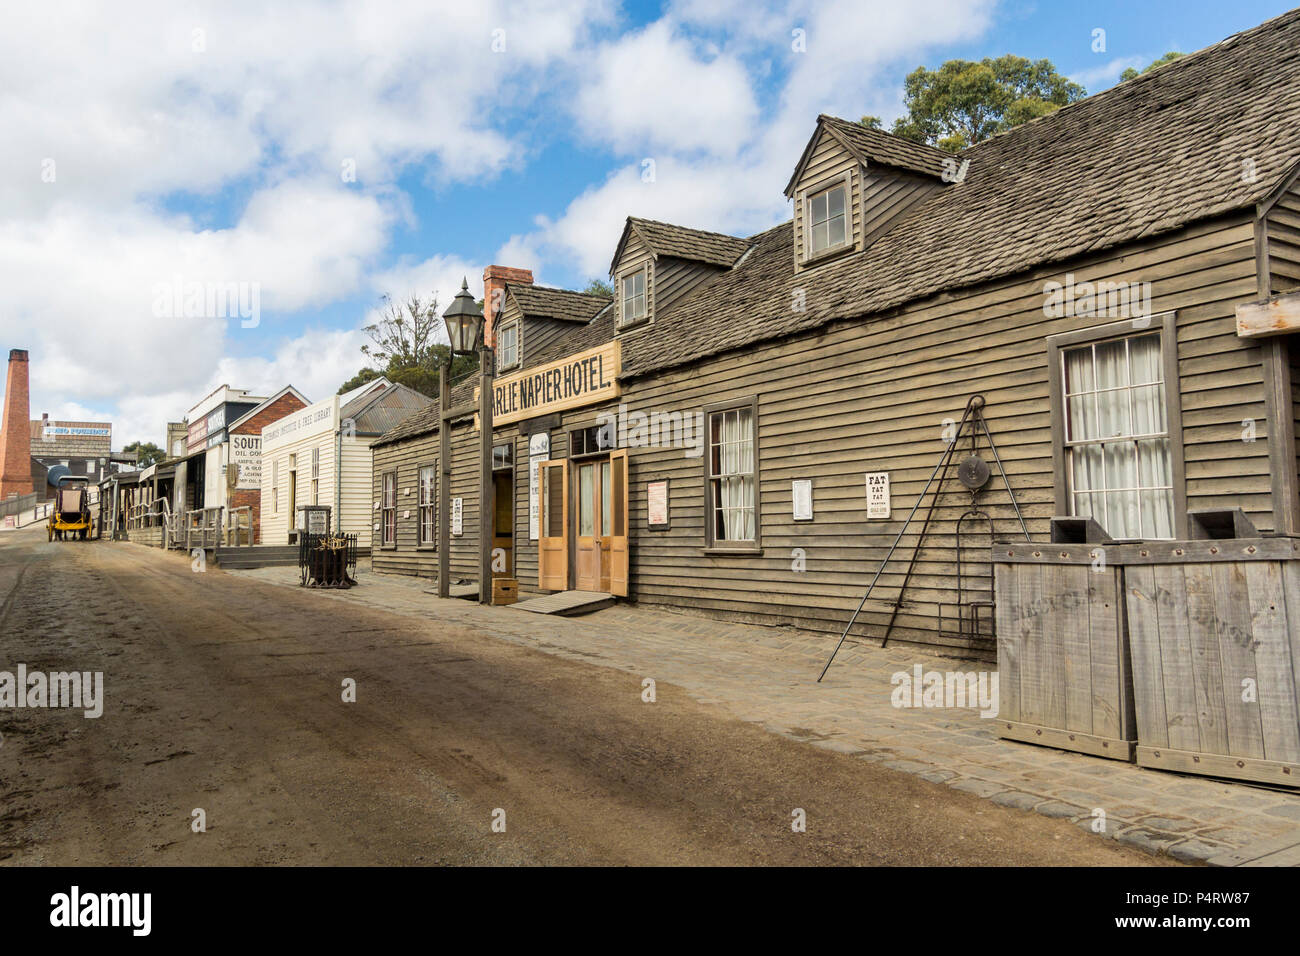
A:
327, 560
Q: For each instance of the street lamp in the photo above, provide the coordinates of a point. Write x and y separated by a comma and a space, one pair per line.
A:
464, 318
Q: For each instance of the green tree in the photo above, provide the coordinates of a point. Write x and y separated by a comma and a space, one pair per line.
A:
599, 287
871, 122
402, 347
963, 102
146, 453
356, 381
1169, 57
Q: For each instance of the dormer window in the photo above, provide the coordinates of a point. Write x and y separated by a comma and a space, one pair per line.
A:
508, 345
633, 298
828, 219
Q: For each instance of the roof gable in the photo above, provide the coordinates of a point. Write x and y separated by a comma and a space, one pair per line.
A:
871, 146
542, 302
695, 245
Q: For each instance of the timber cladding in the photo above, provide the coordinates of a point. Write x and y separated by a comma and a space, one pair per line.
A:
874, 395
1063, 654
1282, 224
1215, 633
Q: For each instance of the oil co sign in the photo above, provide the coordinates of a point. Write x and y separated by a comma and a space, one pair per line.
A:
581, 379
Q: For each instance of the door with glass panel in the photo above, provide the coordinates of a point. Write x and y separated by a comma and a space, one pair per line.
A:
594, 515
553, 524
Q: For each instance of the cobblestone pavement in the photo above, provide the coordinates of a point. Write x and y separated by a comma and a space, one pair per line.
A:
768, 676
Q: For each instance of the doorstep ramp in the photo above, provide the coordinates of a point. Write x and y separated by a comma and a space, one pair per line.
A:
566, 603
257, 556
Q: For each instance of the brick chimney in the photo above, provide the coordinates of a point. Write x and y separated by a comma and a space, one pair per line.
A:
494, 284
16, 439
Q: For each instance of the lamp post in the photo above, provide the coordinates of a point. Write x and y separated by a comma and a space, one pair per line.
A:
464, 320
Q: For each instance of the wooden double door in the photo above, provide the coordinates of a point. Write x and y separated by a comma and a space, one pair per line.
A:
583, 541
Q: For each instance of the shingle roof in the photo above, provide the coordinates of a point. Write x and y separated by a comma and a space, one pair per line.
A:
875, 146
546, 303
1148, 156
665, 239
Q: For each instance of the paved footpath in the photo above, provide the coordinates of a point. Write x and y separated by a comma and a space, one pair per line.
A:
768, 676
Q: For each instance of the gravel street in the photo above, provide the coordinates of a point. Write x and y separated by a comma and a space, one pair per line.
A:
225, 694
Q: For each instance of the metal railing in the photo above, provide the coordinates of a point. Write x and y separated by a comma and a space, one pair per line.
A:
17, 504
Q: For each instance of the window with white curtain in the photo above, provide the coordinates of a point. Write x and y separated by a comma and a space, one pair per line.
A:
1119, 467
388, 510
731, 475
428, 505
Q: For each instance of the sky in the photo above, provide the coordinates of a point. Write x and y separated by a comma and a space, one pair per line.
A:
195, 194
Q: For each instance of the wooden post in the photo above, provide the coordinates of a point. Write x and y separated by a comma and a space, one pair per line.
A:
444, 479
487, 492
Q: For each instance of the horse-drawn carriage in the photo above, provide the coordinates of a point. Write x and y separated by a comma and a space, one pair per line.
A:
71, 515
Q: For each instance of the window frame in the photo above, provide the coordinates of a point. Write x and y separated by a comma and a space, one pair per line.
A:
711, 545
1166, 324
512, 326
624, 322
387, 512
806, 197
422, 543
315, 475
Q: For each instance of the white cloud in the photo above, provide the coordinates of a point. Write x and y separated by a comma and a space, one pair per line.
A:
259, 115
654, 90
1107, 74
847, 67
81, 288
110, 108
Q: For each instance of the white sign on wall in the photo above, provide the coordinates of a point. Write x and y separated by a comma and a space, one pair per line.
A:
457, 516
801, 495
877, 494
539, 450
246, 455
656, 502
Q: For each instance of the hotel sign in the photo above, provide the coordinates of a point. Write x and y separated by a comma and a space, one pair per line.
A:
581, 379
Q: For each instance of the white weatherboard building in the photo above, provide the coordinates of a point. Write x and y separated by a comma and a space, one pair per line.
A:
320, 455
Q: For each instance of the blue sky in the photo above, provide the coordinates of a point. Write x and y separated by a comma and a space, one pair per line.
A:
210, 143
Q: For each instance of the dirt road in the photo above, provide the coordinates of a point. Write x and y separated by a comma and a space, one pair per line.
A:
226, 695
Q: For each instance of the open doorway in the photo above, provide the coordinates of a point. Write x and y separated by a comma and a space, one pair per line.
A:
503, 525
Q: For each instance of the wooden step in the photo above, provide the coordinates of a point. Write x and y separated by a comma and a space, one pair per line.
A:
566, 603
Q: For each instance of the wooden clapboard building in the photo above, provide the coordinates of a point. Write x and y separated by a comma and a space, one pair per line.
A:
780, 402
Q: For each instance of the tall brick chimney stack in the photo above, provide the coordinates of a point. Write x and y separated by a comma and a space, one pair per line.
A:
16, 439
494, 284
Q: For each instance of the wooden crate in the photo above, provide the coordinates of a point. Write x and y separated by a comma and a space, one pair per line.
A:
1063, 668
1209, 621
505, 590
